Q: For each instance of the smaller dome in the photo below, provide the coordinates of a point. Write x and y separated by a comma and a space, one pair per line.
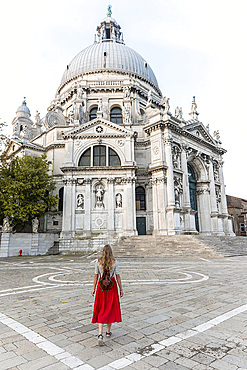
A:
23, 109
109, 20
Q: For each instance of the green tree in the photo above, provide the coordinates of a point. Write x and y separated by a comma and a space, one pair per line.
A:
25, 190
3, 142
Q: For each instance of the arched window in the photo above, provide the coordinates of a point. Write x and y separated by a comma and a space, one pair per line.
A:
85, 159
93, 114
114, 159
60, 200
116, 115
101, 156
140, 199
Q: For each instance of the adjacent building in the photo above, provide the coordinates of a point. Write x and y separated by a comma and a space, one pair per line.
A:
237, 208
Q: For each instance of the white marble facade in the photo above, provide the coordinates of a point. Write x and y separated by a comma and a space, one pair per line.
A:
122, 162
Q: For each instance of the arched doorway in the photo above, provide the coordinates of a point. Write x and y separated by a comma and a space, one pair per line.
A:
193, 200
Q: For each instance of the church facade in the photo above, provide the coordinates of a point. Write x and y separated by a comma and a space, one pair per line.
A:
123, 164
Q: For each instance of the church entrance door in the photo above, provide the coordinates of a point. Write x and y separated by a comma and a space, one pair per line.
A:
193, 200
141, 225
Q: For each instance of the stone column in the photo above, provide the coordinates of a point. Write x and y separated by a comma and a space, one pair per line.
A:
111, 204
155, 206
223, 193
69, 206
203, 192
214, 208
129, 207
227, 225
88, 205
170, 187
186, 191
162, 202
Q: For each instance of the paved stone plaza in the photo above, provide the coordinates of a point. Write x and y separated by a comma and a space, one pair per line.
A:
177, 314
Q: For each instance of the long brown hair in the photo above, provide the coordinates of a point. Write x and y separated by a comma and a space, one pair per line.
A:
107, 260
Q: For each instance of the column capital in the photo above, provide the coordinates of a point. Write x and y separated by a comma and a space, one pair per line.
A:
111, 180
70, 181
168, 141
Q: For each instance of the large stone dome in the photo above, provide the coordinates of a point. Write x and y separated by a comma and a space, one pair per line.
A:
109, 55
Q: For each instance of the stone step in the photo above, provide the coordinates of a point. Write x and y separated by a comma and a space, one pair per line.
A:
180, 245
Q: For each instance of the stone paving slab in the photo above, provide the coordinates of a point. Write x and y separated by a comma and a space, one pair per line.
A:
177, 314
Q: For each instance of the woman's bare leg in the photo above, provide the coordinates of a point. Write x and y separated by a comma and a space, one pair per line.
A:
100, 328
108, 328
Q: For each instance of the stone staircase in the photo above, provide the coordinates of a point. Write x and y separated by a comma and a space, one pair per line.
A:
169, 246
227, 246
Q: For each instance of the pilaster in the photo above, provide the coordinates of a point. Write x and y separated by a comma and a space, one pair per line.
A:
203, 191
88, 204
69, 205
4, 246
159, 204
213, 203
186, 192
34, 244
170, 187
129, 207
111, 204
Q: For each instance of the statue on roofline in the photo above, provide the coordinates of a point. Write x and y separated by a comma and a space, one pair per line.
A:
109, 12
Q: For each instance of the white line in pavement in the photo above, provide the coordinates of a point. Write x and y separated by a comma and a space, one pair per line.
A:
134, 357
32, 290
52, 349
75, 363
63, 283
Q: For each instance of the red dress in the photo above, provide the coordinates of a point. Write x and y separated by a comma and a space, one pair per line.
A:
106, 305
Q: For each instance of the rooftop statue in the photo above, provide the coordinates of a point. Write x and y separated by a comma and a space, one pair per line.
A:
109, 12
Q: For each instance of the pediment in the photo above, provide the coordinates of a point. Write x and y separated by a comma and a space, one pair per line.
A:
97, 127
13, 146
199, 131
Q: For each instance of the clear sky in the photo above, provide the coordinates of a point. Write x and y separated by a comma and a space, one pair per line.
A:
195, 47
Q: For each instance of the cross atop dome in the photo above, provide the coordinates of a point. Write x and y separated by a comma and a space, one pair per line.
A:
109, 29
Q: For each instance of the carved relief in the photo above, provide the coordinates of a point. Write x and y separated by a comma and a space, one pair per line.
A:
99, 129
203, 191
156, 150
120, 142
178, 189
70, 181
216, 171
127, 114
218, 196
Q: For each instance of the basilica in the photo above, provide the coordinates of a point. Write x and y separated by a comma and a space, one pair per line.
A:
123, 163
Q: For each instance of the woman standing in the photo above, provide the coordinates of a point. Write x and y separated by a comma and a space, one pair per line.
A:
106, 304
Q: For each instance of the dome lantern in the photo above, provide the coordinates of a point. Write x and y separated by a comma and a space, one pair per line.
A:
109, 29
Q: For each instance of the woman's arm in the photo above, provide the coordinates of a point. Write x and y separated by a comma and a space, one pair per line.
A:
94, 283
119, 284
